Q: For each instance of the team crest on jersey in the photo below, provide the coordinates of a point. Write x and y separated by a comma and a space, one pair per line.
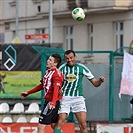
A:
71, 77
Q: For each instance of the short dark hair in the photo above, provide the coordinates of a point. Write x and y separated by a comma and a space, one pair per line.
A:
57, 59
69, 51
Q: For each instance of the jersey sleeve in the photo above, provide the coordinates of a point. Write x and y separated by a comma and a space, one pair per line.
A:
37, 88
57, 84
87, 73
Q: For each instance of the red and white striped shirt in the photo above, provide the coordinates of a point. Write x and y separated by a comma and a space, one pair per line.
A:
51, 83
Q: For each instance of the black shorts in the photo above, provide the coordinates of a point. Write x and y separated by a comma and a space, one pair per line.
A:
49, 116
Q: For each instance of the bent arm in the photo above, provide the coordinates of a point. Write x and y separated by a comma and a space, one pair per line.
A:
98, 82
57, 84
55, 95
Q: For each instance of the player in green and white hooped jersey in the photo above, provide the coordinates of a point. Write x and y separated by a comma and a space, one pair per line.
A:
73, 99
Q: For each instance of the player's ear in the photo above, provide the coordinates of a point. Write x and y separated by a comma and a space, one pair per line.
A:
55, 64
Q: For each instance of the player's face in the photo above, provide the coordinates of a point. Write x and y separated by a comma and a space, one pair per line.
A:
50, 62
70, 59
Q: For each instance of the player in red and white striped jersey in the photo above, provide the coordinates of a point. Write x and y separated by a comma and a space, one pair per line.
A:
51, 83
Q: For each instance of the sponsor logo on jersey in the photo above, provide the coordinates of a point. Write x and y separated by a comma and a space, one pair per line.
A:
71, 77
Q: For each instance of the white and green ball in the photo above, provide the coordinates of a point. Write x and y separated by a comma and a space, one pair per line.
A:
78, 14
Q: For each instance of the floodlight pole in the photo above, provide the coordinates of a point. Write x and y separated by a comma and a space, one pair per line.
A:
50, 21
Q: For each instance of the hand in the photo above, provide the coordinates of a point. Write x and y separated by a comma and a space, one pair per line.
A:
23, 95
102, 79
51, 106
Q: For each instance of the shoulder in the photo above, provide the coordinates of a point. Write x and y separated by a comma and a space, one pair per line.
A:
58, 74
82, 66
62, 66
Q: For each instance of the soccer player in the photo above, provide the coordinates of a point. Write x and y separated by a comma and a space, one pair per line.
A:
51, 83
73, 99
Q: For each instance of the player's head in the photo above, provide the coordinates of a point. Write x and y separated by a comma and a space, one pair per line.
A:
70, 57
53, 61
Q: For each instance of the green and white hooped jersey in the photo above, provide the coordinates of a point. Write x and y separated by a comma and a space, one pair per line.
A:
73, 76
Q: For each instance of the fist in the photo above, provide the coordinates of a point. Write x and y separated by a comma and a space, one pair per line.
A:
102, 79
23, 95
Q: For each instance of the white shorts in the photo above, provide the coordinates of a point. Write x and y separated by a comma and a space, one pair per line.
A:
72, 104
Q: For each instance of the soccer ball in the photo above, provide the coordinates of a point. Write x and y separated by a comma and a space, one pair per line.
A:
78, 14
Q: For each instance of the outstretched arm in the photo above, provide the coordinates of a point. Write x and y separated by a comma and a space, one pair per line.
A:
36, 89
98, 82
